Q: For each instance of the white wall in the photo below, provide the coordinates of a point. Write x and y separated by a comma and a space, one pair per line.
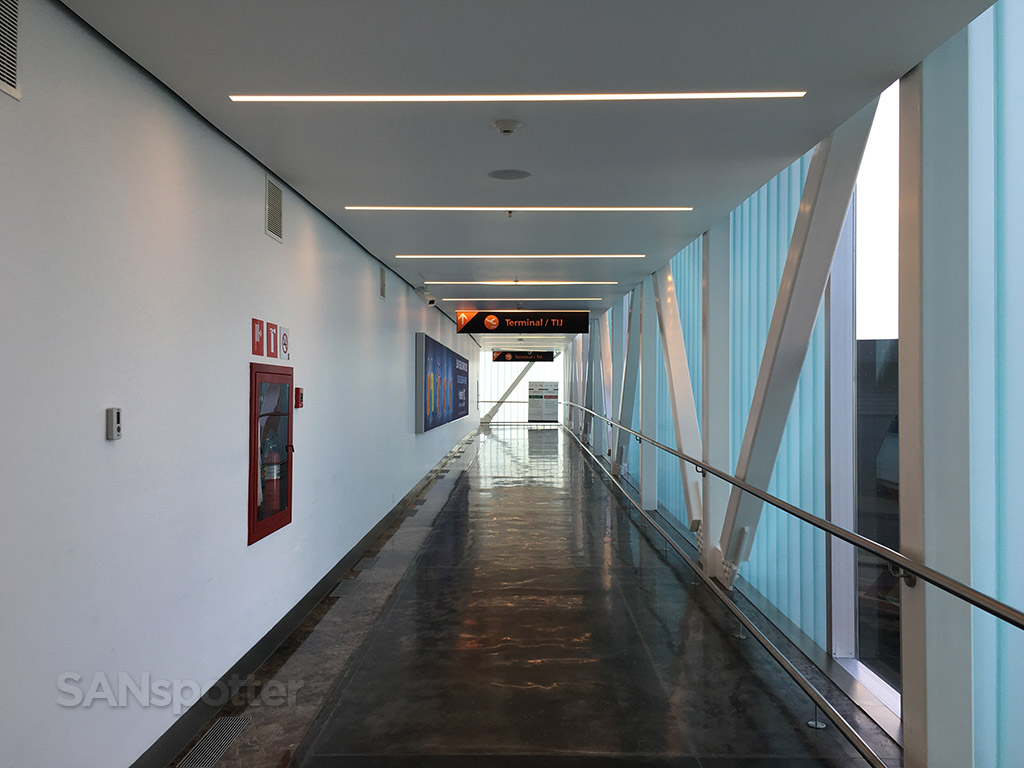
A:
133, 258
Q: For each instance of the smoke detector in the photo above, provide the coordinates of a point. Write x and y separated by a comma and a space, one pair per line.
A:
507, 126
509, 174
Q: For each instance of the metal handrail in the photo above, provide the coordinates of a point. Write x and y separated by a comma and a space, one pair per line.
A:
946, 583
805, 685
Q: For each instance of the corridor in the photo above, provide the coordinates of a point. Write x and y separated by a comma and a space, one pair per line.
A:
539, 624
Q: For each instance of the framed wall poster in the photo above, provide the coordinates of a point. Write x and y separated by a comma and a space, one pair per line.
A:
442, 384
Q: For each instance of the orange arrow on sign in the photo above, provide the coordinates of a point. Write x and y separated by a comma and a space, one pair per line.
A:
462, 318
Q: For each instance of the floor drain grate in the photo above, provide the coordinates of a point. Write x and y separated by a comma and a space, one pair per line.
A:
215, 743
347, 587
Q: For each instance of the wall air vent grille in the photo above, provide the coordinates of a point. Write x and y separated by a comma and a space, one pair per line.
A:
9, 47
275, 215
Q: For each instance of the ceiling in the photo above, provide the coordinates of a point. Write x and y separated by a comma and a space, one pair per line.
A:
706, 154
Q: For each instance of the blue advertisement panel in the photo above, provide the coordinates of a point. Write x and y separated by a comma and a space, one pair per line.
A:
442, 380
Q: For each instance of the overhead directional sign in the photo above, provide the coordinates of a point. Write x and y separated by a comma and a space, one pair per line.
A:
522, 321
519, 356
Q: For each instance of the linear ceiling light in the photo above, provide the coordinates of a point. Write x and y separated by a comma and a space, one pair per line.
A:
356, 98
522, 256
545, 298
519, 208
521, 282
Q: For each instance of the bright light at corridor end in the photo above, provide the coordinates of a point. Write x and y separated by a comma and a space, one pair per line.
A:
356, 98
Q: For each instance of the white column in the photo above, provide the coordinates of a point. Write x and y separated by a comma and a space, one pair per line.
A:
597, 341
649, 398
589, 397
934, 403
715, 423
618, 324
841, 442
606, 381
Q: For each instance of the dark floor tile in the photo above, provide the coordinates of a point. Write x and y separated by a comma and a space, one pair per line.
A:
538, 625
502, 761
782, 762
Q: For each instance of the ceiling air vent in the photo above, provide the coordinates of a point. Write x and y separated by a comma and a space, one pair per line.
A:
9, 48
275, 220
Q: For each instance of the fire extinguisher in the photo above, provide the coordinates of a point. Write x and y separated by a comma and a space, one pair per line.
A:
272, 480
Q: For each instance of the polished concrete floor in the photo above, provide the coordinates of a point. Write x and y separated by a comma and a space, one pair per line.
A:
538, 625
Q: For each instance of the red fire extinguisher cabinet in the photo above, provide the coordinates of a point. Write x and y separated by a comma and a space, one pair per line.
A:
270, 449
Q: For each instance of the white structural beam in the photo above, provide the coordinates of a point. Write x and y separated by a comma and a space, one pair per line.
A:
934, 404
648, 398
841, 441
489, 416
589, 398
597, 431
567, 412
680, 391
605, 341
826, 198
573, 353
617, 323
627, 392
715, 419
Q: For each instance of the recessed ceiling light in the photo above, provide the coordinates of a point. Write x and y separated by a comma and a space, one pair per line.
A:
506, 298
357, 98
509, 174
518, 208
521, 282
523, 256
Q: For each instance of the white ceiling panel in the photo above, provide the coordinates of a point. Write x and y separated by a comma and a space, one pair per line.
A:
706, 154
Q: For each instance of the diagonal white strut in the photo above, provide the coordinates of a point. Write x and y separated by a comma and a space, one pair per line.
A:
489, 416
606, 373
680, 391
819, 222
589, 396
627, 393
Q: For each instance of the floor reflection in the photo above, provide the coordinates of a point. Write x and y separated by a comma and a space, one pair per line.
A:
538, 622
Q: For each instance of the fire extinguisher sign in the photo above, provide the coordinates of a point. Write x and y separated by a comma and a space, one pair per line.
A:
257, 337
270, 340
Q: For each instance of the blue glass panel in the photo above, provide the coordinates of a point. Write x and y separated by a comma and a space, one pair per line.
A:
997, 416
